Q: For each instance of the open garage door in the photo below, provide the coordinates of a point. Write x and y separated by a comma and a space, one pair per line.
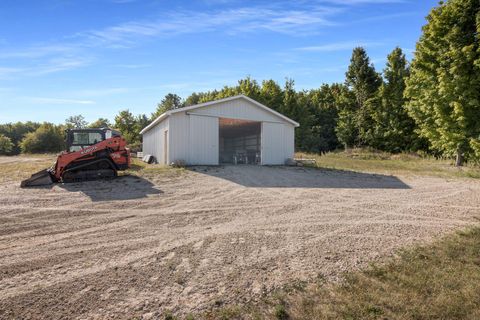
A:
239, 141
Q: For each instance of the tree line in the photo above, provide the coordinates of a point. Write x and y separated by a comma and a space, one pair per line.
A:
431, 104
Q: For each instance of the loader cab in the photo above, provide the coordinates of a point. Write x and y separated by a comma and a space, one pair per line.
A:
78, 139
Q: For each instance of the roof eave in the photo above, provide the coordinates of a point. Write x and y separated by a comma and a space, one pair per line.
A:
209, 103
159, 119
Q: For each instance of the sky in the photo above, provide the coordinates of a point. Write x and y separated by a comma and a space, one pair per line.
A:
96, 57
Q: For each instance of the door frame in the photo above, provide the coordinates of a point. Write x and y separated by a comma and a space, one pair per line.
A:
165, 147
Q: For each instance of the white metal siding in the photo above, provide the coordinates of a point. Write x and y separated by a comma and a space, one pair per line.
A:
289, 141
194, 138
238, 109
153, 141
179, 131
203, 140
277, 143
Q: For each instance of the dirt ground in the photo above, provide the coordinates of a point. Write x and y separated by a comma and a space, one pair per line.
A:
209, 237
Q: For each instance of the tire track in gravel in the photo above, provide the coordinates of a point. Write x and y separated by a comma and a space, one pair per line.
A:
209, 237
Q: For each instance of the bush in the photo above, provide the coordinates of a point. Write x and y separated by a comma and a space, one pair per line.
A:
135, 147
6, 144
16, 132
47, 138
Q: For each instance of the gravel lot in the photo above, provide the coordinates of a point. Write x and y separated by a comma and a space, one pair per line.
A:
134, 247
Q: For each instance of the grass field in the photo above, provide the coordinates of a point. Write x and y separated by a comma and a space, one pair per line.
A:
438, 281
385, 163
354, 160
13, 168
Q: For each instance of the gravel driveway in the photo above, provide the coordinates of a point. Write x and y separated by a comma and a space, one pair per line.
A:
134, 247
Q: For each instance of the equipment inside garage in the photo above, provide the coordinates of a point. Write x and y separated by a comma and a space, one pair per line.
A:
239, 141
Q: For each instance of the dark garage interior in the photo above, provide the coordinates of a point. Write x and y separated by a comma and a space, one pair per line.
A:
239, 141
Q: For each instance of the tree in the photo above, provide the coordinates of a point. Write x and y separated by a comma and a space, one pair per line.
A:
47, 138
324, 119
444, 86
347, 129
364, 82
77, 122
141, 121
193, 99
393, 128
248, 87
100, 123
271, 94
169, 102
126, 123
16, 132
6, 145
295, 106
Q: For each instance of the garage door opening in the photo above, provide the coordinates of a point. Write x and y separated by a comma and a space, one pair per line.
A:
239, 141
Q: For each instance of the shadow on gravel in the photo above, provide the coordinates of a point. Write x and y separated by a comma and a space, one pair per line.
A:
120, 188
300, 177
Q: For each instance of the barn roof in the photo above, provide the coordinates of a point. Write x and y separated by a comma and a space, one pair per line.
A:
206, 104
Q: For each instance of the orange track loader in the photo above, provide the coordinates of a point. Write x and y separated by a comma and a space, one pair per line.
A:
91, 154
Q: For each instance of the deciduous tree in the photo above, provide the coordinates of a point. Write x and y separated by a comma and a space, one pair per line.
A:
6, 145
77, 122
444, 86
47, 138
100, 123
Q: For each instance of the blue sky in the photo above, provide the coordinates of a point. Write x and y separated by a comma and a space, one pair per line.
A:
96, 57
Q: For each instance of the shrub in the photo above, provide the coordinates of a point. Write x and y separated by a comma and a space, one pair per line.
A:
47, 138
6, 144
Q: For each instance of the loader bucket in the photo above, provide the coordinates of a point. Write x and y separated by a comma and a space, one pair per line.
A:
41, 178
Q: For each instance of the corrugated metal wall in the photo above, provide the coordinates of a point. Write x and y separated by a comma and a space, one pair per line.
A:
179, 137
238, 109
153, 141
193, 136
203, 140
277, 143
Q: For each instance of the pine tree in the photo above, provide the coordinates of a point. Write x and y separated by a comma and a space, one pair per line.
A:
271, 94
347, 128
444, 86
324, 117
169, 102
394, 128
363, 81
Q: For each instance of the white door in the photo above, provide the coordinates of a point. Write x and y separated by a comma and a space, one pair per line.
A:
165, 147
273, 148
203, 140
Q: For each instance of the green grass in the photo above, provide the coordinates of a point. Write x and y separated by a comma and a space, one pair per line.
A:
16, 168
438, 281
385, 163
140, 168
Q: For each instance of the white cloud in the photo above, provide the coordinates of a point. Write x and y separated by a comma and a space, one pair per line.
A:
339, 46
133, 66
233, 21
44, 100
48, 66
356, 2
79, 50
38, 51
9, 71
100, 92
